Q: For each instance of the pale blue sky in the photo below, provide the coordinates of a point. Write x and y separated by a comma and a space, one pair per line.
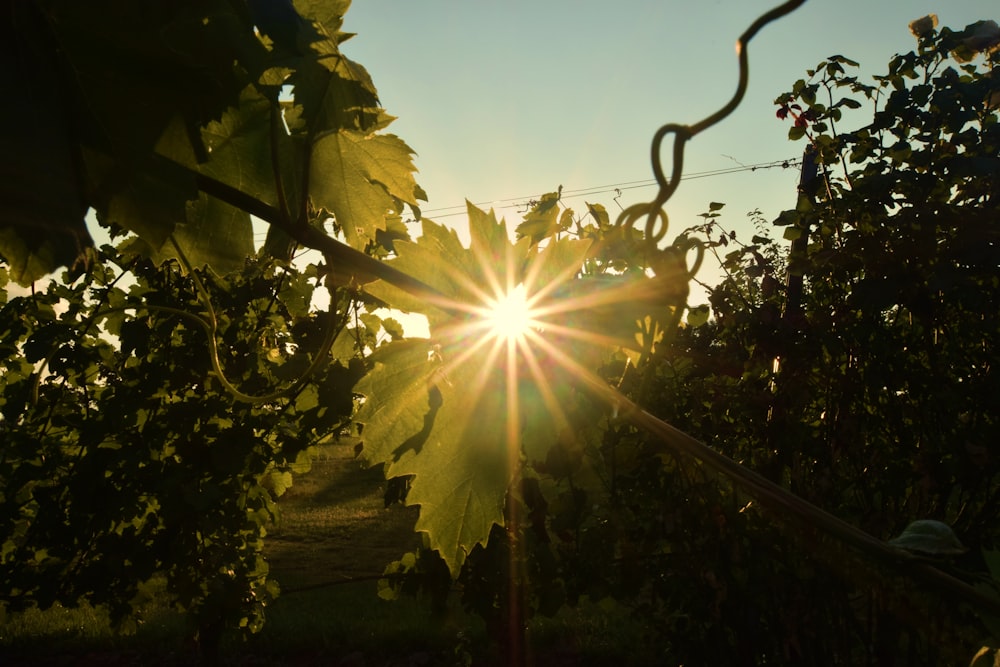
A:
506, 100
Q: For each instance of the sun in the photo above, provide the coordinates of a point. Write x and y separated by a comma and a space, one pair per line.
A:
510, 316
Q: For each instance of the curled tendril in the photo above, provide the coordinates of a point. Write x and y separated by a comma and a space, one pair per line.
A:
210, 325
656, 217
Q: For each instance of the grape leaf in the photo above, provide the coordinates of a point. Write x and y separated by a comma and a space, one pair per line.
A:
216, 235
241, 145
328, 13
361, 177
540, 221
41, 209
455, 411
150, 97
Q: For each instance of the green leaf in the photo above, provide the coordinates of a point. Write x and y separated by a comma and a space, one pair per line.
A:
540, 221
216, 235
843, 60
360, 178
600, 215
392, 327
436, 245
334, 93
307, 399
565, 220
240, 145
698, 315
277, 482
151, 203
345, 345
297, 293
396, 396
42, 211
796, 132
792, 233
787, 218
328, 13
371, 321
122, 59
455, 411
32, 251
395, 230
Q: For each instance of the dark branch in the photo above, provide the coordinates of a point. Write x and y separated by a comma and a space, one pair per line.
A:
345, 258
770, 494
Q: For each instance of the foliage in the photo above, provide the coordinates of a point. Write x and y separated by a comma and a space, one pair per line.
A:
469, 412
870, 391
140, 111
420, 394
152, 408
125, 459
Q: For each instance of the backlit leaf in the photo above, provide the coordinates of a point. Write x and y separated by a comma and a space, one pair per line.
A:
452, 410
360, 178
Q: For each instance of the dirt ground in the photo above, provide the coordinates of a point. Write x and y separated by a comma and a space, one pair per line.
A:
334, 525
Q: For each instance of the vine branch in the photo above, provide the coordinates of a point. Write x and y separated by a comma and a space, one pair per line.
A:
766, 492
676, 441
344, 257
211, 328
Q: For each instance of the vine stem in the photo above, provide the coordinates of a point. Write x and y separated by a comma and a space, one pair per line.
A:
674, 440
781, 500
211, 328
347, 259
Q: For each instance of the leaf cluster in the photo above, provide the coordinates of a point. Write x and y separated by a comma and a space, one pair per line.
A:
127, 467
869, 392
179, 122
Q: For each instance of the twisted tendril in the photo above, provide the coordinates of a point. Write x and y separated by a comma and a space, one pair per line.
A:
653, 211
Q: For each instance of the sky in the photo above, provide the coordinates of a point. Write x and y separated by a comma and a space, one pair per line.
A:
503, 101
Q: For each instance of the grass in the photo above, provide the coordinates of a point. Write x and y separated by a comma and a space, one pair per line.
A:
333, 541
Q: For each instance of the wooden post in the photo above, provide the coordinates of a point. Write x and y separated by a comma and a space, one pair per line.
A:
785, 367
797, 253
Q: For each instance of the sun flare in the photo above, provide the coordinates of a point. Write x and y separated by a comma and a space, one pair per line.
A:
510, 316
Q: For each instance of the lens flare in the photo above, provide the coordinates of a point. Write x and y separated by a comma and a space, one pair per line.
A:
510, 316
